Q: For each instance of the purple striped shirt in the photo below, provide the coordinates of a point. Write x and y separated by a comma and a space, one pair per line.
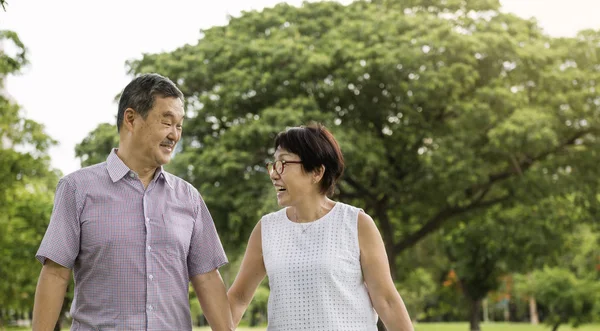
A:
132, 250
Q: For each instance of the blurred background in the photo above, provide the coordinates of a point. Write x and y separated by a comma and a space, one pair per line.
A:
470, 131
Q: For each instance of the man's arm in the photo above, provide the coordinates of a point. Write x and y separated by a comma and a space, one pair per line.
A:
210, 289
49, 295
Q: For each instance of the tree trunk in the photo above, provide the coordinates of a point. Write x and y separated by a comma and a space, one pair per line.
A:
486, 313
555, 327
533, 312
507, 311
387, 233
253, 317
475, 315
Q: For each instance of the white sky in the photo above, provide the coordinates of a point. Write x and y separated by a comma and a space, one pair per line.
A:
77, 50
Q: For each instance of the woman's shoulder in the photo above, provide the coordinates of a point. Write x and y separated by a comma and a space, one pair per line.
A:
347, 208
273, 216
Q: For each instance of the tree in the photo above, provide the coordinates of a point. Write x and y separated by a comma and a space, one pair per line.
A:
509, 239
96, 146
567, 298
26, 191
443, 108
416, 290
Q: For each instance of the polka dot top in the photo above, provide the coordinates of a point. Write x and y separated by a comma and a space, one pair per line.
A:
314, 273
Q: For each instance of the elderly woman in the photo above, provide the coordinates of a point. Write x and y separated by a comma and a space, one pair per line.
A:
326, 261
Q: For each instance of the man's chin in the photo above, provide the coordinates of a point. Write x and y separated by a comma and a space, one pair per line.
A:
163, 160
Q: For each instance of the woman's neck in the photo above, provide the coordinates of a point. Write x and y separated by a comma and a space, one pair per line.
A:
312, 210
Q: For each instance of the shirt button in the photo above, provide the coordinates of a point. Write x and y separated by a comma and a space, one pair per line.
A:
151, 277
147, 219
150, 307
149, 248
132, 175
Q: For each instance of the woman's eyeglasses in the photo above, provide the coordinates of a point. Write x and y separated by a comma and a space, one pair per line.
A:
279, 166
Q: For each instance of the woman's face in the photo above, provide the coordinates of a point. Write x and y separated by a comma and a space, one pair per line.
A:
292, 184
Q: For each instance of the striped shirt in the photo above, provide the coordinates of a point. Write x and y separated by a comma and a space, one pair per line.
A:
132, 250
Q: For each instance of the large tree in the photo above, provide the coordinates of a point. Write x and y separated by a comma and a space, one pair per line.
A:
443, 108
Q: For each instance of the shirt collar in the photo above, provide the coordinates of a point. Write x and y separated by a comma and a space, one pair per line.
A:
117, 169
161, 173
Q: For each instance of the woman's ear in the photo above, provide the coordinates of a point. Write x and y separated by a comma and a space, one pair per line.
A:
318, 174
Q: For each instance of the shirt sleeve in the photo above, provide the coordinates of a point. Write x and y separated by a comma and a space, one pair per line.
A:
206, 251
61, 240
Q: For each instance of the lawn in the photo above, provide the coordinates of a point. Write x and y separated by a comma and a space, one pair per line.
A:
444, 327
465, 327
498, 327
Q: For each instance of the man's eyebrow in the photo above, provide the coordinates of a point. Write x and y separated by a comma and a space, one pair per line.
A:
171, 114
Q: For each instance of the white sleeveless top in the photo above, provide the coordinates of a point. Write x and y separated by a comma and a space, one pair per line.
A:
314, 273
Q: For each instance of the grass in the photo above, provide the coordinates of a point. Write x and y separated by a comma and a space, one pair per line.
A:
442, 327
498, 327
465, 327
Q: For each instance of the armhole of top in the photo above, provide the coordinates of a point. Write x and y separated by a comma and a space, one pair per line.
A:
357, 210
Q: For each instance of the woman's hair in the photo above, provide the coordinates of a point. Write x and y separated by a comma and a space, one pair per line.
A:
316, 146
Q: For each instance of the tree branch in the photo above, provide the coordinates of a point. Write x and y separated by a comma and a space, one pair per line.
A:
344, 194
436, 221
527, 162
359, 188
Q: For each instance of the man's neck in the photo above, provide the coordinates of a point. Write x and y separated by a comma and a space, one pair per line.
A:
137, 165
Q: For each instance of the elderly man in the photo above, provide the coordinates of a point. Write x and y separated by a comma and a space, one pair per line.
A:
133, 234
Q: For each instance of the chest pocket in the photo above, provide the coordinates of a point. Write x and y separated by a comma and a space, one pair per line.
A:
174, 229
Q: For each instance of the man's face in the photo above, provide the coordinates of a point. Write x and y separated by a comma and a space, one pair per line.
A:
156, 136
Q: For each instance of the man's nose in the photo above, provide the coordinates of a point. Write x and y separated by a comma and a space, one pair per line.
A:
174, 134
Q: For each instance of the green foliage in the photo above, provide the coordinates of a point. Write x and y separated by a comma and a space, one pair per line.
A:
443, 109
581, 254
507, 239
439, 114
12, 64
26, 192
568, 299
97, 145
417, 291
256, 313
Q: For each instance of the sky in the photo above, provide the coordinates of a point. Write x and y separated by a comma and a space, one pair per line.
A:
77, 51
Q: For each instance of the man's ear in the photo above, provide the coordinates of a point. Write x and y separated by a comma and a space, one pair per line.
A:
129, 117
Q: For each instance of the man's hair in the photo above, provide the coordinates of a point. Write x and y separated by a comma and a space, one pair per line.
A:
315, 146
141, 92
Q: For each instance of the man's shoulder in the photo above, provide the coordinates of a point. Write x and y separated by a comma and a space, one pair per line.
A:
86, 174
180, 184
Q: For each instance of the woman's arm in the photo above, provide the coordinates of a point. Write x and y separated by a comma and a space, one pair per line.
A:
251, 273
376, 272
